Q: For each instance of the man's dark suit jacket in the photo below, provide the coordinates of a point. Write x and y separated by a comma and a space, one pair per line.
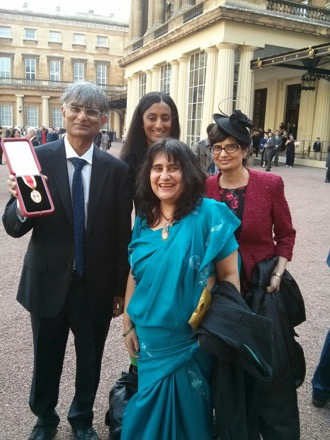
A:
48, 262
34, 141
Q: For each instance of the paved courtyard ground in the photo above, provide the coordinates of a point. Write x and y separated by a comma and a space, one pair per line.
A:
309, 200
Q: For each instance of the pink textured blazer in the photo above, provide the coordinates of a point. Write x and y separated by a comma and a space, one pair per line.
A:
267, 229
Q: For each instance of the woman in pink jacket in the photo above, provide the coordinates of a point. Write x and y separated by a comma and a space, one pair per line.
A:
257, 198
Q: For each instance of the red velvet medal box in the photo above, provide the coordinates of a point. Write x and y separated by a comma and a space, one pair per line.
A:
32, 191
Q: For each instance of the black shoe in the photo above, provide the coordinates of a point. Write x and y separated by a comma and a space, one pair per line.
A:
43, 432
86, 434
319, 403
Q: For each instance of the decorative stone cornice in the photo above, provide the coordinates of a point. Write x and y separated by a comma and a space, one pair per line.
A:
265, 17
90, 22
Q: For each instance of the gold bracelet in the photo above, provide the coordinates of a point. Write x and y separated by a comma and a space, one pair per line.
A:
129, 330
276, 274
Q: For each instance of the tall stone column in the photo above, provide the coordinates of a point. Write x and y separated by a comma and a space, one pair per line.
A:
151, 7
174, 80
306, 117
186, 4
134, 97
45, 111
159, 12
19, 111
148, 81
321, 125
210, 83
224, 92
182, 96
155, 79
128, 104
245, 81
136, 19
115, 123
130, 22
176, 6
128, 99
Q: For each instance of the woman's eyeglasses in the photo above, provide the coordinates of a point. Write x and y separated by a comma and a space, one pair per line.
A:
89, 112
230, 148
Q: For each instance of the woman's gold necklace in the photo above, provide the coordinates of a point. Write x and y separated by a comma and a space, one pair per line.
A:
169, 223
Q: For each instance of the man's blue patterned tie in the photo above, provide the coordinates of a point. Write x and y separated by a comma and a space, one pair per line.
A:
78, 204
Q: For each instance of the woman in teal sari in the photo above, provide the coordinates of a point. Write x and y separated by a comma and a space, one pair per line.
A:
181, 244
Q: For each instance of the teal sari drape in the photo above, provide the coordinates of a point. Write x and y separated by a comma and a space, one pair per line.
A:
174, 399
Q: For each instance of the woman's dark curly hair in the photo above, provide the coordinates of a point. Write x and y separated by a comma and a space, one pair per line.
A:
193, 181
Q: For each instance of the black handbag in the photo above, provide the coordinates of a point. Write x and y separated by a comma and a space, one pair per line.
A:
124, 388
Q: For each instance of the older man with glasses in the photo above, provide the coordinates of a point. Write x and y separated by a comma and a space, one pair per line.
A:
75, 269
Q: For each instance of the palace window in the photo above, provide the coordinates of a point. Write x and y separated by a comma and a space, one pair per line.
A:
5, 32
196, 88
55, 70
30, 34
79, 39
142, 84
101, 74
165, 78
57, 117
5, 67
102, 41
54, 37
32, 116
78, 72
6, 116
30, 68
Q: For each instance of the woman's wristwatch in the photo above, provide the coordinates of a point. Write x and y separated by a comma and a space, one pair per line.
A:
277, 274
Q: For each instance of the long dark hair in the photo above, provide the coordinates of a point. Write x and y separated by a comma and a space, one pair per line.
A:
193, 180
136, 145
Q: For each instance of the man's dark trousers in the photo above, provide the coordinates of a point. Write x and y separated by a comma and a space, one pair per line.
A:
51, 335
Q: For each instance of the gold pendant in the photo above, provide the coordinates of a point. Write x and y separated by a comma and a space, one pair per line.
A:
165, 230
164, 234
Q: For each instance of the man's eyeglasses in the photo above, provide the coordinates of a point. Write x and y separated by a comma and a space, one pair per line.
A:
230, 148
89, 112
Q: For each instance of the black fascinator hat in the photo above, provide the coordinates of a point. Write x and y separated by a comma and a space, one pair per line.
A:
237, 125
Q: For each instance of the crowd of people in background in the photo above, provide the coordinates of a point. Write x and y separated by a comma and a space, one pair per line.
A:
43, 135
267, 143
104, 138
270, 144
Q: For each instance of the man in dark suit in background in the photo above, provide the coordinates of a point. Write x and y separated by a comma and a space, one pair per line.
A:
58, 296
31, 133
51, 135
203, 152
317, 148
